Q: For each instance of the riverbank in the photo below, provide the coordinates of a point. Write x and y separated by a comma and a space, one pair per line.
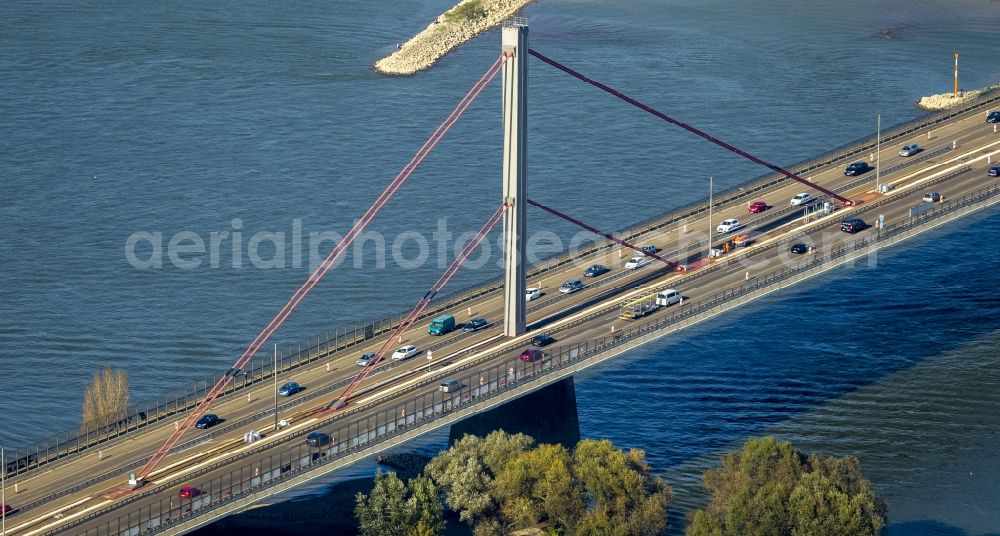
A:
944, 101
450, 30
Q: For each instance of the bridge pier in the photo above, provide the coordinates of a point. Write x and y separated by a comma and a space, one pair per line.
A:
548, 415
515, 148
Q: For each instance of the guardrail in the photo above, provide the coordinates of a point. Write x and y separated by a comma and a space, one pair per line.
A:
144, 413
479, 385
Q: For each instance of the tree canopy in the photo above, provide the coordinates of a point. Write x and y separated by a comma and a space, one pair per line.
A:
397, 509
500, 483
770, 489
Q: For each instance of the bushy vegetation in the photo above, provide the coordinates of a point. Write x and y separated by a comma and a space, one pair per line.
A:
106, 400
397, 509
471, 10
770, 489
504, 483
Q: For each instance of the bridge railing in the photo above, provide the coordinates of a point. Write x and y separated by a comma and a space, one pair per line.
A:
479, 384
357, 334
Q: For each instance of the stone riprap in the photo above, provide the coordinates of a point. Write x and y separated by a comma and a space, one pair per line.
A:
949, 100
446, 33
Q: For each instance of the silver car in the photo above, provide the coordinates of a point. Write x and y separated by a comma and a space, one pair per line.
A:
909, 150
450, 386
571, 286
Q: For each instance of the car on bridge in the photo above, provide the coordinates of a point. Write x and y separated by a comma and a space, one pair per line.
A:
318, 439
800, 249
450, 386
405, 352
728, 226
571, 286
530, 355
649, 248
800, 199
365, 359
932, 197
857, 168
188, 492
596, 270
668, 297
636, 262
289, 389
757, 207
543, 340
910, 149
853, 225
207, 420
532, 293
993, 171
993, 117
6, 508
475, 324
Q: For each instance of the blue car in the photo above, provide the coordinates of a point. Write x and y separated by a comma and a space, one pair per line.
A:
289, 389
475, 324
207, 420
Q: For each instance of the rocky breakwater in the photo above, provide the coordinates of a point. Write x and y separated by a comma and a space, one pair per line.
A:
944, 101
450, 30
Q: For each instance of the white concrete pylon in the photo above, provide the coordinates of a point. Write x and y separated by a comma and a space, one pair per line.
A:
514, 42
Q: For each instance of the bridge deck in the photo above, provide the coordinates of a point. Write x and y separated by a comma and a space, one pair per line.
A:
579, 321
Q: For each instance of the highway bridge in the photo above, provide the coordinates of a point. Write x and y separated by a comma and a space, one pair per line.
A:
76, 483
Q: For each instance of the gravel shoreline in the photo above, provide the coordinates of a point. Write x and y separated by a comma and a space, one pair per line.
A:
944, 101
444, 35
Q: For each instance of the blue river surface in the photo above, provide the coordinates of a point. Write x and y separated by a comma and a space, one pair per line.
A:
124, 121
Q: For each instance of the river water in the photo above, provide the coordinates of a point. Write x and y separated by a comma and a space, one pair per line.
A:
123, 118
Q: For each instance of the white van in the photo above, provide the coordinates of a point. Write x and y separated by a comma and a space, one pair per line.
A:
668, 297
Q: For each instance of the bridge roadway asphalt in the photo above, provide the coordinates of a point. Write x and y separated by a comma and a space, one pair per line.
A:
974, 138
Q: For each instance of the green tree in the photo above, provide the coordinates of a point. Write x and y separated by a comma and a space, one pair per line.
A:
424, 507
397, 509
465, 472
539, 484
383, 512
627, 499
770, 489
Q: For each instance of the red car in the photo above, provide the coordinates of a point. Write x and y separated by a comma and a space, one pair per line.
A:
187, 492
757, 206
530, 355
6, 509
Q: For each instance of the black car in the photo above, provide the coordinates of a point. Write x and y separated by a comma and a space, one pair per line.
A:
207, 420
475, 324
800, 249
993, 117
853, 225
596, 270
317, 439
543, 340
993, 171
857, 168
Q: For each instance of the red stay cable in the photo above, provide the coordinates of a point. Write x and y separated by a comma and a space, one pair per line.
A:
324, 267
420, 306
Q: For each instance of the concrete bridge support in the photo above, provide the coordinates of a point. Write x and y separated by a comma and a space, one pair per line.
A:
515, 148
548, 415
